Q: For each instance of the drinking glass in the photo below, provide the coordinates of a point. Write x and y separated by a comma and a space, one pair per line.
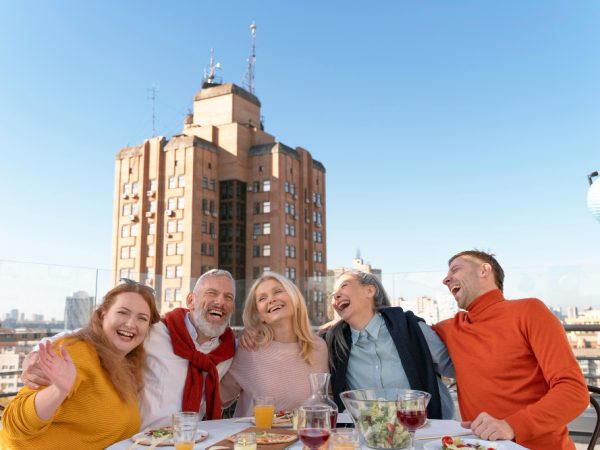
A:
245, 441
412, 412
185, 427
264, 410
314, 425
344, 439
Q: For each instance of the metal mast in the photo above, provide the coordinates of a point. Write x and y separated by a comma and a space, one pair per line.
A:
210, 72
248, 82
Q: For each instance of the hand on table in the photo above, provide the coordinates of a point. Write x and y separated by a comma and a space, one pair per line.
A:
488, 427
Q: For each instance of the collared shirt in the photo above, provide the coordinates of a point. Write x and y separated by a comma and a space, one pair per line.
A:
164, 380
374, 361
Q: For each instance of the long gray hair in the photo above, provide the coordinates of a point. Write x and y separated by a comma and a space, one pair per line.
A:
338, 349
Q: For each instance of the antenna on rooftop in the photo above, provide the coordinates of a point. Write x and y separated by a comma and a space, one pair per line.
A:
248, 82
210, 72
152, 96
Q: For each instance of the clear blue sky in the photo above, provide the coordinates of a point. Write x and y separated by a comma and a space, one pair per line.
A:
443, 125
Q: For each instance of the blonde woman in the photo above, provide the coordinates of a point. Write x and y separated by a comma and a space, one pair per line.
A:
96, 379
288, 351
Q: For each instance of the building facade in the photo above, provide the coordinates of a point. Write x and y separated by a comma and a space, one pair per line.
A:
78, 310
222, 194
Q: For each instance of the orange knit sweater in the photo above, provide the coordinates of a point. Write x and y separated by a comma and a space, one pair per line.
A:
513, 361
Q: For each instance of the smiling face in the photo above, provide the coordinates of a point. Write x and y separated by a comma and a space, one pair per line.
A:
467, 279
211, 305
353, 301
273, 303
126, 322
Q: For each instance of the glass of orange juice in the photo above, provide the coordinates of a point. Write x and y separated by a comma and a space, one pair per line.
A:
264, 409
185, 427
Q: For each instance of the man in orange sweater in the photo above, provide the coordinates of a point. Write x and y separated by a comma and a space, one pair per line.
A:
516, 374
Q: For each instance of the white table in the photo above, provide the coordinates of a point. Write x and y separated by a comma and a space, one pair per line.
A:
220, 429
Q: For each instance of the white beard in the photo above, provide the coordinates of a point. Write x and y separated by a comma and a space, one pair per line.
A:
206, 328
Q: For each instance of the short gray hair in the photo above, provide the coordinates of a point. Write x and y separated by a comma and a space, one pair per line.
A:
214, 273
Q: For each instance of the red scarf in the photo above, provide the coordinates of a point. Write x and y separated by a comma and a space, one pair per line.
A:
199, 362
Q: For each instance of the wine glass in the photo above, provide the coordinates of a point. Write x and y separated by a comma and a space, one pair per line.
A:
314, 425
412, 412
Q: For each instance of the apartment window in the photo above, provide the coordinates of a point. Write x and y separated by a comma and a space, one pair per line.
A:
170, 249
180, 203
126, 209
180, 226
125, 231
126, 189
124, 273
135, 187
172, 183
133, 252
266, 207
286, 208
266, 228
170, 272
171, 226
292, 273
287, 229
124, 252
256, 186
211, 249
255, 272
266, 185
153, 185
204, 227
209, 165
181, 181
205, 182
211, 184
169, 294
293, 209
255, 251
266, 250
203, 248
287, 251
180, 248
292, 230
151, 228
172, 203
150, 250
293, 189
314, 197
286, 186
134, 208
292, 251
256, 208
211, 228
179, 271
260, 169
266, 269
256, 229
177, 294
153, 207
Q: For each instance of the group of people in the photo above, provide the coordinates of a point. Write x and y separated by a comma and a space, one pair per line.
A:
516, 375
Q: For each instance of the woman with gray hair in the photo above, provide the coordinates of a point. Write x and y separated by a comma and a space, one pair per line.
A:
376, 345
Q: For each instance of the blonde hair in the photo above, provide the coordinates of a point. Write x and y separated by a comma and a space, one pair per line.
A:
126, 373
300, 321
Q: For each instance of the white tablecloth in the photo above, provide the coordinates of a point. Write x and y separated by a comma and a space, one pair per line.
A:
220, 429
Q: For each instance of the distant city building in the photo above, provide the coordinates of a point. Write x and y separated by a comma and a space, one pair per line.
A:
572, 312
222, 194
13, 315
78, 310
357, 264
9, 362
37, 317
432, 310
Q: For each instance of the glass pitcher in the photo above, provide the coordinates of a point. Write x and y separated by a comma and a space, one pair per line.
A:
319, 387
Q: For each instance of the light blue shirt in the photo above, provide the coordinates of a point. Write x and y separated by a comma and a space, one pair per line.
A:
374, 361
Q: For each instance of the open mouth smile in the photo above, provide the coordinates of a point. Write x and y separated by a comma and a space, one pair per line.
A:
274, 308
342, 304
126, 334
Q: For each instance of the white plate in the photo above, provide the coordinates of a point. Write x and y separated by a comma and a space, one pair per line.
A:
437, 445
142, 439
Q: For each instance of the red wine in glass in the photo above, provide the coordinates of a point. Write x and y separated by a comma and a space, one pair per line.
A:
333, 418
313, 437
412, 420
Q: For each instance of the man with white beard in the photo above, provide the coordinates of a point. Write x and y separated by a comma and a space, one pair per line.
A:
187, 354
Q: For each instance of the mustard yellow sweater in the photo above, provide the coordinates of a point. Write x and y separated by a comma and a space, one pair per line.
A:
92, 417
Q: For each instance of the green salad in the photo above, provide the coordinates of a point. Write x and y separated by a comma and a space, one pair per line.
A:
380, 427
